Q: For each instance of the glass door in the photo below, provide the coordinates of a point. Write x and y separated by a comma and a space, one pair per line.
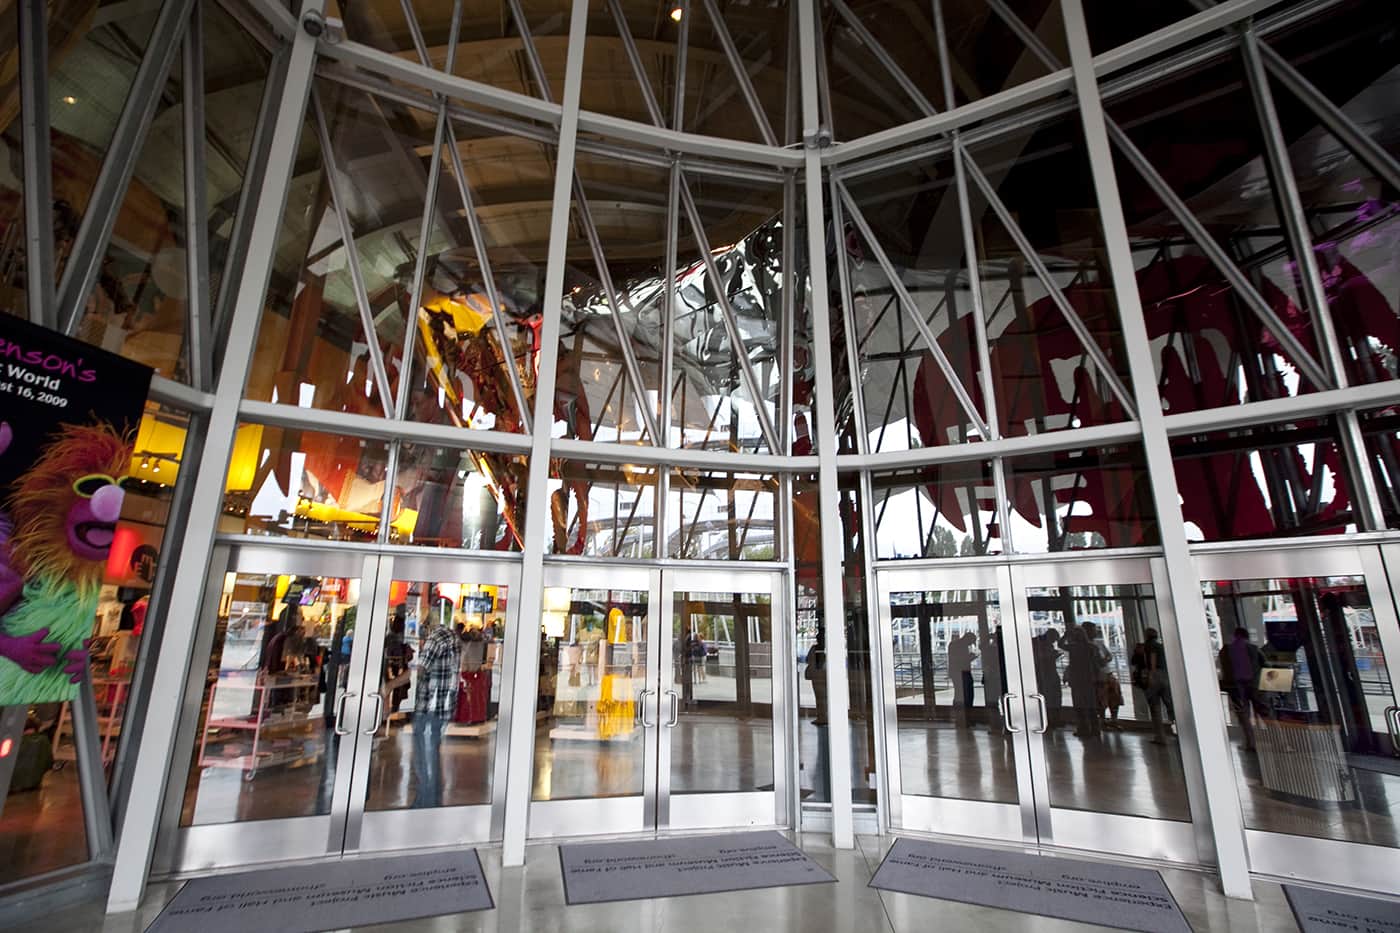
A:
429, 768
1306, 643
723, 745
343, 702
275, 687
657, 706
1033, 704
1100, 674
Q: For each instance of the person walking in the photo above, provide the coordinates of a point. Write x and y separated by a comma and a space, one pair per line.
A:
1240, 663
439, 663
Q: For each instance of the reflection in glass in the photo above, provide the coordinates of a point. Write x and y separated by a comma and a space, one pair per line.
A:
444, 497
722, 516
303, 484
280, 662
722, 671
602, 509
1271, 481
949, 680
593, 667
1306, 691
449, 765
943, 510
1216, 351
1100, 664
908, 400
1078, 500
1354, 216
1381, 430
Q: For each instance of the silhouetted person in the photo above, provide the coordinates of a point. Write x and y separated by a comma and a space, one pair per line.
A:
1240, 663
1149, 665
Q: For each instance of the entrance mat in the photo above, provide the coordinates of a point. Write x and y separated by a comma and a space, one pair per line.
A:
330, 896
1330, 911
1070, 889
625, 871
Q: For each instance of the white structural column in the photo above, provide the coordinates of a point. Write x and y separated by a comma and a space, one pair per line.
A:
838, 697
1226, 818
524, 657
140, 822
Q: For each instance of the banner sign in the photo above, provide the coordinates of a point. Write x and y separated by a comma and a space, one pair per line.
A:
68, 414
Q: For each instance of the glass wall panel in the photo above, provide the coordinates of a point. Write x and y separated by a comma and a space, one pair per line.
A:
444, 497
950, 675
1270, 481
1101, 665
408, 768
722, 645
266, 743
1077, 500
713, 402
92, 64
626, 205
139, 306
1381, 429
1046, 377
465, 350
942, 510
988, 55
285, 482
908, 400
602, 510
593, 667
711, 515
1354, 217
715, 104
1200, 132
1305, 687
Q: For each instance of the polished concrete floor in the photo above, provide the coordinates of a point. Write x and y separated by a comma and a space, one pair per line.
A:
532, 898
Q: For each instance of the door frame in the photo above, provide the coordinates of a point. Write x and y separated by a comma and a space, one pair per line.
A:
1031, 821
348, 827
656, 809
1330, 861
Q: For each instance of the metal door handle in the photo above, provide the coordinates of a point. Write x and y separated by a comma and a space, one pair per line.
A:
1004, 704
675, 709
1044, 715
340, 713
1392, 722
378, 714
642, 707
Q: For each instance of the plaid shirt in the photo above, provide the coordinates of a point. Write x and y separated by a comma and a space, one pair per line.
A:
437, 673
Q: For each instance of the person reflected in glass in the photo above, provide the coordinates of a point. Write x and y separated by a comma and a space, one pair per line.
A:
1045, 653
1110, 691
815, 674
994, 680
1081, 673
1240, 663
439, 662
695, 649
960, 658
1149, 667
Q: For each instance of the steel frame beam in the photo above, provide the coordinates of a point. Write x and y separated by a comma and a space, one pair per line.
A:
833, 600
197, 298
1223, 803
523, 657
38, 168
153, 766
128, 138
